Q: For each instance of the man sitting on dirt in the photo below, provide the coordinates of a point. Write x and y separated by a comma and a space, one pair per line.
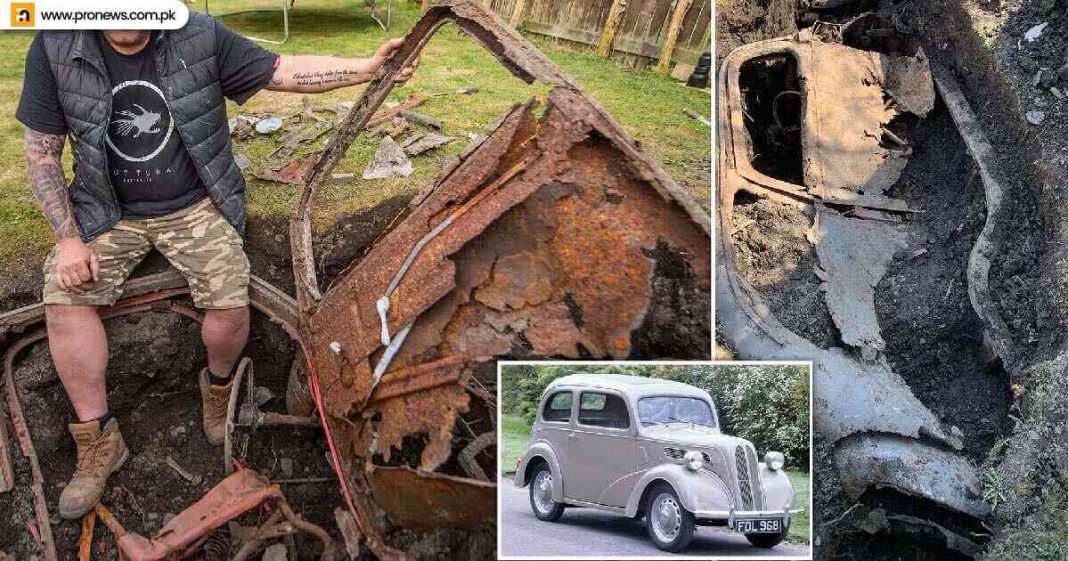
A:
153, 168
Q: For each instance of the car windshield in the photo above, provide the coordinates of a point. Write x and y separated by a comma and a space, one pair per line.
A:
659, 410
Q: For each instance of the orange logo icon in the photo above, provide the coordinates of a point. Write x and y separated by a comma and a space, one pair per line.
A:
22, 14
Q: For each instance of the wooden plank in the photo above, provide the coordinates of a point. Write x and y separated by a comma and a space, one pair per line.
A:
611, 26
668, 48
517, 13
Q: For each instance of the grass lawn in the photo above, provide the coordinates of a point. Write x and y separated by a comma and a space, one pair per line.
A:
802, 489
515, 435
650, 106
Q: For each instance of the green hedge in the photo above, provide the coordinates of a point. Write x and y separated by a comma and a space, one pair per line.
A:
766, 404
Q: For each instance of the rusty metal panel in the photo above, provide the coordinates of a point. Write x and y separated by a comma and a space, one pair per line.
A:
421, 500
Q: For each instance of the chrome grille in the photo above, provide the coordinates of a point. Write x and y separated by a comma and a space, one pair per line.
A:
745, 482
754, 468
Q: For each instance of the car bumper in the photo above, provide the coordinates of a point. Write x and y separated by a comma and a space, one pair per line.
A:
731, 516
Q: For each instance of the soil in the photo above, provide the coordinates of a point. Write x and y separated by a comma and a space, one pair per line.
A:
153, 364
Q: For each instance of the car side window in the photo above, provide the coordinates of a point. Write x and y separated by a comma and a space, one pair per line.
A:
557, 408
598, 409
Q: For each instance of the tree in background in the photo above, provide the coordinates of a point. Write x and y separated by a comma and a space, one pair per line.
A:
765, 404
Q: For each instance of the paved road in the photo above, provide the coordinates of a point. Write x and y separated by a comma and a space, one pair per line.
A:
588, 532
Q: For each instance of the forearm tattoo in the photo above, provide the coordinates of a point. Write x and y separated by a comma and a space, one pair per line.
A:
45, 169
329, 77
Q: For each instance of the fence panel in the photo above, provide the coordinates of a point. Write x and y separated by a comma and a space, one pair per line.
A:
641, 31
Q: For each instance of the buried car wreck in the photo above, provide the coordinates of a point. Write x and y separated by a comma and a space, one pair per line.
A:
822, 131
552, 235
650, 447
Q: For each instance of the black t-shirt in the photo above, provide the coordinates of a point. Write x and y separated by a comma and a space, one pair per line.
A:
149, 166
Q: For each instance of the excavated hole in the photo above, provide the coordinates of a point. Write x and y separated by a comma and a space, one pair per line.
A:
934, 338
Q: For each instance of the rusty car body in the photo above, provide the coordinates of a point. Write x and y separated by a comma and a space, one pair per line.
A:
847, 155
552, 235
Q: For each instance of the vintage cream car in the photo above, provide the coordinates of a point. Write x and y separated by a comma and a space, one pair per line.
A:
650, 447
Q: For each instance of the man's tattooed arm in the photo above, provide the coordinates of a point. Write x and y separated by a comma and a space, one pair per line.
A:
43, 155
313, 74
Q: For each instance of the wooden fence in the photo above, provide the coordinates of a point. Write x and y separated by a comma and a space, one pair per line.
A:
647, 29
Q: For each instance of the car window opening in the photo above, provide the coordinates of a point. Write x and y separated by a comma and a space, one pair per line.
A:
558, 408
772, 105
603, 410
661, 410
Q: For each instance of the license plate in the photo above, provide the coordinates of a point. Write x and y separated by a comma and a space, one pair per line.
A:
760, 525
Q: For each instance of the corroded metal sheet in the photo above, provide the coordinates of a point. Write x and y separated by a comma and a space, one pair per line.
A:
551, 236
883, 435
421, 500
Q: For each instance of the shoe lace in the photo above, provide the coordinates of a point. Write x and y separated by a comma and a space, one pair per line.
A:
92, 458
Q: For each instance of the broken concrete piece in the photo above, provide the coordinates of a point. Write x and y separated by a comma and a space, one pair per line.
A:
1035, 31
1035, 117
269, 125
389, 160
426, 143
854, 254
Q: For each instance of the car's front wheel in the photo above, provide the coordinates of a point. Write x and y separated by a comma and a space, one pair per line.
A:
541, 495
768, 540
670, 525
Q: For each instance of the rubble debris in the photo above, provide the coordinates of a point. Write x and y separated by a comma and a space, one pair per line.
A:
1035, 117
389, 160
192, 479
426, 143
242, 161
286, 466
1034, 32
293, 173
389, 113
269, 125
300, 134
421, 119
346, 524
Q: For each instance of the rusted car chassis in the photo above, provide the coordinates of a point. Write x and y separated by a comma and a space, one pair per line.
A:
553, 235
882, 436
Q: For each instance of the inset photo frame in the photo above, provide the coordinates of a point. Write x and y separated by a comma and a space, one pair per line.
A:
654, 460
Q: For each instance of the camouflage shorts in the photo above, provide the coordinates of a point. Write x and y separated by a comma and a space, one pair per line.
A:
198, 241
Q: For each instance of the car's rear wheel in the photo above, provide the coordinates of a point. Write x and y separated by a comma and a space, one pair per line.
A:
768, 540
670, 525
541, 495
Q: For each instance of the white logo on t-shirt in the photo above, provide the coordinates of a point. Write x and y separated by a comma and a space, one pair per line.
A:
135, 120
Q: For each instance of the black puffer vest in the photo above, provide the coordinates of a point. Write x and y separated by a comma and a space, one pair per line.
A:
189, 76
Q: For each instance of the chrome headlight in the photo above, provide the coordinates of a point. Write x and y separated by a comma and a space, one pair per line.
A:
774, 460
693, 460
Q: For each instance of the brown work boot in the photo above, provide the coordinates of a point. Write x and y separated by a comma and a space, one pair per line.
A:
99, 454
215, 400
